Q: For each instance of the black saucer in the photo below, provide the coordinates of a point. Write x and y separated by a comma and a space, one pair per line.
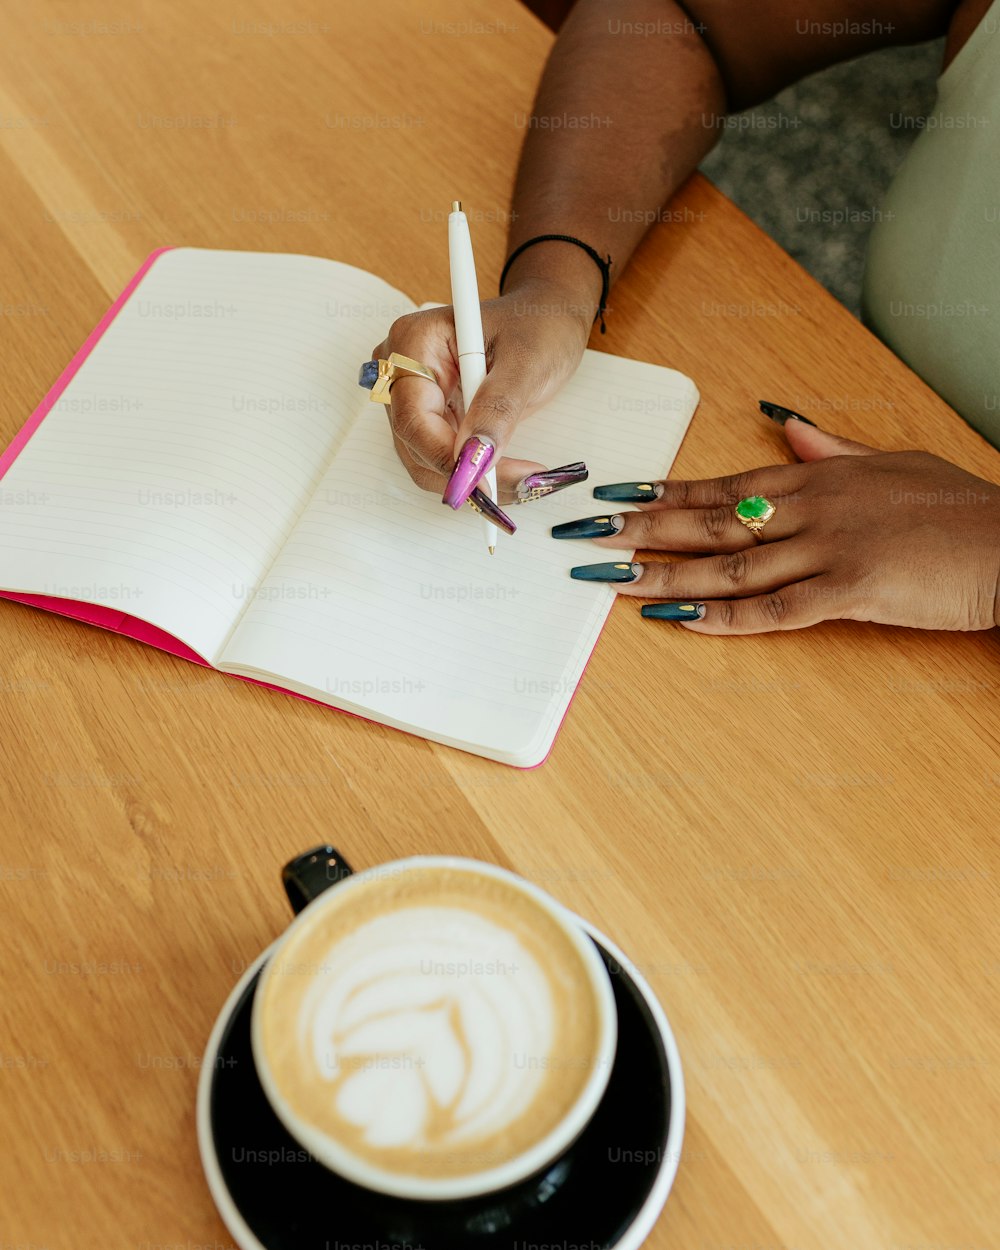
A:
591, 1196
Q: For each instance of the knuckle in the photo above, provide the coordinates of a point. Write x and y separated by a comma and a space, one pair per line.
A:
725, 611
852, 597
774, 607
834, 468
736, 487
735, 568
423, 479
864, 584
642, 527
500, 409
398, 330
404, 422
715, 523
660, 577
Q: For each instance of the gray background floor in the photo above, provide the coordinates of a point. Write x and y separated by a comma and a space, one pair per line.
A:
832, 143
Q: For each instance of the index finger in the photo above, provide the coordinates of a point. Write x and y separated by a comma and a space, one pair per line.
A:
423, 421
421, 412
773, 482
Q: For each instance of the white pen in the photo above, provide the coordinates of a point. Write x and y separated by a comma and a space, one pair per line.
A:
468, 329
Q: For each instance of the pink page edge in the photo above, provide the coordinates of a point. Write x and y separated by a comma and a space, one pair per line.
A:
17, 445
78, 610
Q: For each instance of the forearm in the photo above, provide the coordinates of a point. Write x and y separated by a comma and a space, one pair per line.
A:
629, 104
621, 119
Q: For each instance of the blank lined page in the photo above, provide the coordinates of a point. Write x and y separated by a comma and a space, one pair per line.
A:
173, 467
386, 602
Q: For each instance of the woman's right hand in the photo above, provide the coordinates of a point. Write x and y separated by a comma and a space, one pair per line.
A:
535, 337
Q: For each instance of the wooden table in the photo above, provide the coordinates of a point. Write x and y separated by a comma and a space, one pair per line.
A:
818, 913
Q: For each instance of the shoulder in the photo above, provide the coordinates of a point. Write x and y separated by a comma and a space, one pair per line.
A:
763, 47
967, 16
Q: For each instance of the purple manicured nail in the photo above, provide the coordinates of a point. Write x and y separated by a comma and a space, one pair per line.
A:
473, 461
535, 485
481, 502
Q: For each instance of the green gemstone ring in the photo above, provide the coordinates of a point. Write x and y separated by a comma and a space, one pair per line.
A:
754, 512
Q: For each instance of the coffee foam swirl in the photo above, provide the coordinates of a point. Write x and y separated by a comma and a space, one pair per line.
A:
416, 1049
435, 1026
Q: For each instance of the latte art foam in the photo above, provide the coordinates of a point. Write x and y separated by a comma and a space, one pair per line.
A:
398, 990
436, 1026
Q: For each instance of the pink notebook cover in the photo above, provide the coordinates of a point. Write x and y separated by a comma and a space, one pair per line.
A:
92, 613
97, 614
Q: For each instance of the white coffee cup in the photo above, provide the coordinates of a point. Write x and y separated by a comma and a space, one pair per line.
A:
396, 1066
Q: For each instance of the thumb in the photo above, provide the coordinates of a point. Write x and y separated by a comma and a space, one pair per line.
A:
809, 442
485, 431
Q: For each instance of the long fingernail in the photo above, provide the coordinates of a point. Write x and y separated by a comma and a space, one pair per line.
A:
481, 502
535, 485
781, 415
473, 461
630, 492
590, 527
674, 611
606, 572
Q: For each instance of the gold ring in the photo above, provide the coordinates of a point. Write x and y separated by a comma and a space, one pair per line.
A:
378, 376
754, 512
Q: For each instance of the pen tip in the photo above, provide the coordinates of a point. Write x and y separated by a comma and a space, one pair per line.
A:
493, 551
456, 206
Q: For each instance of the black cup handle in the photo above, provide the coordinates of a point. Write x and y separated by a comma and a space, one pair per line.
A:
306, 876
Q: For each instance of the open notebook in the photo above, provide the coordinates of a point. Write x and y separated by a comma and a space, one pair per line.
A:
210, 478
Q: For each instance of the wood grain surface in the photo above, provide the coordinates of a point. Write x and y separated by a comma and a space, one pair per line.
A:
794, 836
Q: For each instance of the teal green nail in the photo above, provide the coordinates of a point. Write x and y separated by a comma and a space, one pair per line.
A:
674, 611
629, 492
590, 527
781, 415
606, 572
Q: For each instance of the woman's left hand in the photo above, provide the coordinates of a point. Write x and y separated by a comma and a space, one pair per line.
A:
902, 538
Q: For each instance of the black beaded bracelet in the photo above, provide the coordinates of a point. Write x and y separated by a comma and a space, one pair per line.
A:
603, 265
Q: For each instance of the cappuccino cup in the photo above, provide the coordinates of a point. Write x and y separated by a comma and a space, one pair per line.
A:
434, 1028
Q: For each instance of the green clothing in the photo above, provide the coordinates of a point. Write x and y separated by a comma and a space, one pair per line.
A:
932, 285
